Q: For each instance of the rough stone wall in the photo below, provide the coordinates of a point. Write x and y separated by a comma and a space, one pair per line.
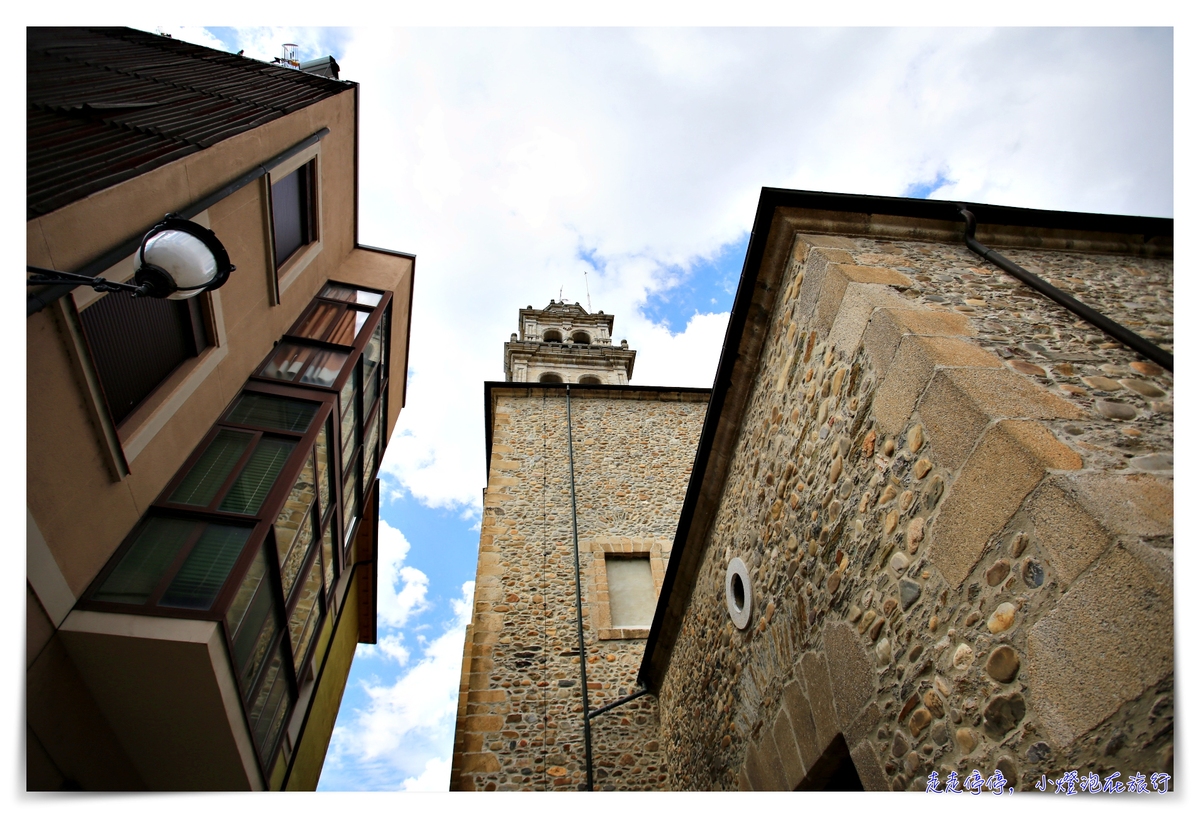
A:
520, 722
955, 502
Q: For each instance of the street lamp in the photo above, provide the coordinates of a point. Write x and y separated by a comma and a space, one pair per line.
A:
177, 259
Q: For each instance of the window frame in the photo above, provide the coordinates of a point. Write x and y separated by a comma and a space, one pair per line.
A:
380, 314
283, 274
261, 523
123, 442
658, 552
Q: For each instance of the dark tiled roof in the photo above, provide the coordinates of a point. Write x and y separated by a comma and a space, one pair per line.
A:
107, 104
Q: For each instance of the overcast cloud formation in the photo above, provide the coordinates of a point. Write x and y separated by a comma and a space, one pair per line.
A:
512, 160
503, 157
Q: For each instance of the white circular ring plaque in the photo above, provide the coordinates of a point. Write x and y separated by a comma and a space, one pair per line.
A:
738, 596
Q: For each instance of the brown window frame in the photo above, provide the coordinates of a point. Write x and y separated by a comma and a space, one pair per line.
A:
307, 200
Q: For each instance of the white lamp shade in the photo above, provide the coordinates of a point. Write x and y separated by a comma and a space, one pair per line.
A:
185, 258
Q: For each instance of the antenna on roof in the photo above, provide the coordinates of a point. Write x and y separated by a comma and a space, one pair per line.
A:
587, 289
560, 293
289, 56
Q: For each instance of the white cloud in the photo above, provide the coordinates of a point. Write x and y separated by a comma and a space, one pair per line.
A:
687, 358
402, 588
647, 150
393, 647
437, 174
406, 723
435, 778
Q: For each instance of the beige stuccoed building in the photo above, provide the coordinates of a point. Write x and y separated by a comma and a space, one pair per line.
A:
201, 473
926, 528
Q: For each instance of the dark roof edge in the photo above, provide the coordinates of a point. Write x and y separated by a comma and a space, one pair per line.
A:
98, 264
985, 214
627, 389
863, 208
742, 301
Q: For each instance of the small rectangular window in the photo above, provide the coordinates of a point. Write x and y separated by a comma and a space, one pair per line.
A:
631, 596
293, 212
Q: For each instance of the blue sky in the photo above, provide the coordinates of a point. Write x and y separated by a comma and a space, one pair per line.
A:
510, 160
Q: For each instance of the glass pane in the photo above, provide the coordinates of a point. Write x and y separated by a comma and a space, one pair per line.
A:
306, 614
206, 567
270, 704
327, 555
370, 447
317, 322
347, 327
349, 418
386, 323
259, 627
324, 367
372, 356
350, 498
256, 479
294, 512
241, 602
273, 412
323, 473
292, 563
307, 364
152, 553
211, 470
341, 292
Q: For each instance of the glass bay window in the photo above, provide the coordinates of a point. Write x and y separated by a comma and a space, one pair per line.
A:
245, 532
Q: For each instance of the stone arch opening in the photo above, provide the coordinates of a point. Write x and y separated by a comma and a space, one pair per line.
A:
550, 377
552, 335
589, 379
580, 337
834, 771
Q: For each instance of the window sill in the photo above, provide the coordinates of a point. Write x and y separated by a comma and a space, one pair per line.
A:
296, 264
624, 633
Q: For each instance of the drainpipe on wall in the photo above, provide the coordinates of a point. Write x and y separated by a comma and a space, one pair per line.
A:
587, 724
1105, 324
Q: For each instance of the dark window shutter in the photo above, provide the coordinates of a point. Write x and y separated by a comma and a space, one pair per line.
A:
137, 342
291, 213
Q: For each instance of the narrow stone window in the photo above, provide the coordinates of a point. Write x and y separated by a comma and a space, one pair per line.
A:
631, 596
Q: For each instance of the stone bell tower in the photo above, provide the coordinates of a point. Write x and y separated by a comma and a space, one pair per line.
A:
565, 589
563, 343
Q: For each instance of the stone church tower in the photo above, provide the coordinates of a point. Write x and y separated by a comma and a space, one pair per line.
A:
563, 343
575, 455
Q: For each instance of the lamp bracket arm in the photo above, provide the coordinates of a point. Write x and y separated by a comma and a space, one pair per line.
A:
42, 276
